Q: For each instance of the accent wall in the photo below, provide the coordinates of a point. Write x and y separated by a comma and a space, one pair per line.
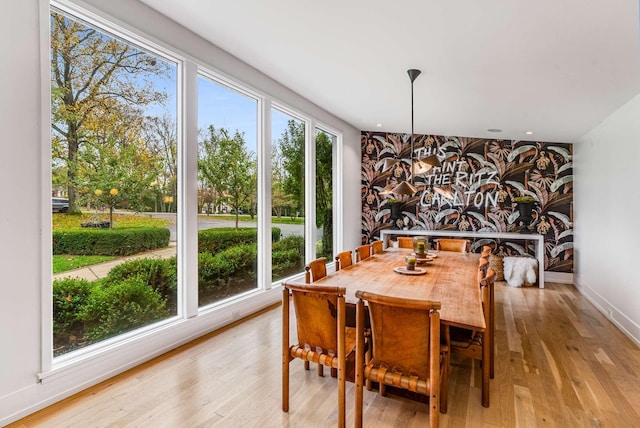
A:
474, 189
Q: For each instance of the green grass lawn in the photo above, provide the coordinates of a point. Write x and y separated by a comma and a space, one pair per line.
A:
65, 262
120, 221
246, 217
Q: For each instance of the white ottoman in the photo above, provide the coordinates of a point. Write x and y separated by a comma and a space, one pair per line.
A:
520, 270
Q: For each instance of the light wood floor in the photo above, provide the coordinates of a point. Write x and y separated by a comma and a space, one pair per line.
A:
560, 363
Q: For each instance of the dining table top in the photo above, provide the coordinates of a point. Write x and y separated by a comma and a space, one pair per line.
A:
451, 279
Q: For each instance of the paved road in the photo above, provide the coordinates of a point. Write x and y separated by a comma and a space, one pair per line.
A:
209, 223
100, 270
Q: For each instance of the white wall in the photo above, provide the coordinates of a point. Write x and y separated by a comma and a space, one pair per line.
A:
20, 208
24, 189
606, 207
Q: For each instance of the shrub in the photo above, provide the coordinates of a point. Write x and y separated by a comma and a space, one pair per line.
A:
294, 242
115, 308
110, 242
159, 274
225, 273
286, 261
219, 239
288, 256
275, 234
214, 268
69, 298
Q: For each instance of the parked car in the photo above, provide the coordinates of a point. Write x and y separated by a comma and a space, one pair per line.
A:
59, 205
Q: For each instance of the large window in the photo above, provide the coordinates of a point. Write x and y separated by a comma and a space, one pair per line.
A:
287, 193
325, 142
142, 174
114, 181
227, 192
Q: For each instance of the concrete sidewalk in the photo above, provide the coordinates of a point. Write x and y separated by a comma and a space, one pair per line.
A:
93, 272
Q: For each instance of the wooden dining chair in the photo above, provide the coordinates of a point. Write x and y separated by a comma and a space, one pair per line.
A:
405, 351
457, 245
486, 250
322, 335
469, 343
405, 242
315, 270
376, 247
344, 259
363, 252
483, 265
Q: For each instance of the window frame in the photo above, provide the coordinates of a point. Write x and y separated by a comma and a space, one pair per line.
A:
111, 28
188, 68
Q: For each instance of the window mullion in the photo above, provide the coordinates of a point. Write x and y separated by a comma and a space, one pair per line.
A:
188, 175
264, 193
310, 190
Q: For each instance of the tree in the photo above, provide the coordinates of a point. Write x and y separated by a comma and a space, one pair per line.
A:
161, 140
229, 167
292, 148
92, 73
280, 200
324, 191
207, 149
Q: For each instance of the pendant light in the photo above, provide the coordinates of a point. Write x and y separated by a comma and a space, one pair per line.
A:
405, 187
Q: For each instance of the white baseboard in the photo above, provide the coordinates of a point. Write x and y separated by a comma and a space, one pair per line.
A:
618, 318
560, 277
64, 381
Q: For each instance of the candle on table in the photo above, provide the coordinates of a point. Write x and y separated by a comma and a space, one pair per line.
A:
411, 262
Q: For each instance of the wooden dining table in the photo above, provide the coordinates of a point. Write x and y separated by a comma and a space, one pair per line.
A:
451, 279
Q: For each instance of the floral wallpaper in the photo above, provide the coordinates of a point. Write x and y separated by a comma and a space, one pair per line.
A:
475, 189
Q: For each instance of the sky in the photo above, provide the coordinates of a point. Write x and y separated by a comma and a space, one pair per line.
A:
222, 107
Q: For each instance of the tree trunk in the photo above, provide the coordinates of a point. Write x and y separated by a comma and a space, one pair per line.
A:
72, 169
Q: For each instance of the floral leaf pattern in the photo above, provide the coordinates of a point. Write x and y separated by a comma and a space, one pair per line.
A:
485, 175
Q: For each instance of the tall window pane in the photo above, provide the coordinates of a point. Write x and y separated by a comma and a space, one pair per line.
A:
113, 134
324, 193
227, 192
287, 193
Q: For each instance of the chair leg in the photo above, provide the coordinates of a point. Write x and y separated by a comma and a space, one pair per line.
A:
320, 370
444, 383
334, 372
342, 411
382, 389
360, 361
486, 364
492, 329
285, 351
367, 357
306, 365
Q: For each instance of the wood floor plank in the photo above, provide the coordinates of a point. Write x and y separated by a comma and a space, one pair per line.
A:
559, 363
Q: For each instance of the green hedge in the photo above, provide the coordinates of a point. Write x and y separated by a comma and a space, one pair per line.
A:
110, 242
215, 269
69, 298
112, 309
294, 242
219, 239
138, 292
159, 274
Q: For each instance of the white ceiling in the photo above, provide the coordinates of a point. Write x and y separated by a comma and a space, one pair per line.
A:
556, 67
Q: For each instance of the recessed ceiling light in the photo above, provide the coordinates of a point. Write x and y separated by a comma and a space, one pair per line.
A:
529, 132
379, 125
494, 130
